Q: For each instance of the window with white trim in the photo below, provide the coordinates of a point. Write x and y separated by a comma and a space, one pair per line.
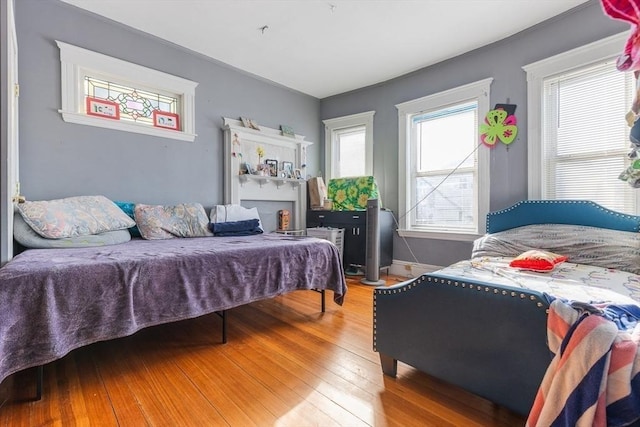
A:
443, 167
578, 135
349, 145
99, 90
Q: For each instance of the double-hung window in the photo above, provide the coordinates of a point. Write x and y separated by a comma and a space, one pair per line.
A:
349, 145
578, 135
444, 170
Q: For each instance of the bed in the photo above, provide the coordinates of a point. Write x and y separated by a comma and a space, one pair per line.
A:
488, 333
55, 300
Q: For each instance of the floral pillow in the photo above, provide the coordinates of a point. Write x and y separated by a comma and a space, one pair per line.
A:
537, 260
74, 216
168, 222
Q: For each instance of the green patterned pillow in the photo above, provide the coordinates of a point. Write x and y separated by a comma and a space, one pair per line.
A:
351, 194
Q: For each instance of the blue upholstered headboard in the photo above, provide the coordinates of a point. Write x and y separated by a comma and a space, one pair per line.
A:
577, 212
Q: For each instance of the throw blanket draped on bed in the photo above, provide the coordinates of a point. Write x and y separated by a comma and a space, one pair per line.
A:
593, 378
55, 300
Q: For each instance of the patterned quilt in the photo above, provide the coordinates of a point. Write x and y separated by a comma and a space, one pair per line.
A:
569, 281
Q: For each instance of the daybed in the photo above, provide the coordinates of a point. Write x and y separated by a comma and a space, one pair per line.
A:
55, 300
488, 333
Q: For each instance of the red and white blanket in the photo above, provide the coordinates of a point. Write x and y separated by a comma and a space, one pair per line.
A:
593, 379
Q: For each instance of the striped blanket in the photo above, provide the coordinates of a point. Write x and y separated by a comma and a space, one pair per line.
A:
593, 379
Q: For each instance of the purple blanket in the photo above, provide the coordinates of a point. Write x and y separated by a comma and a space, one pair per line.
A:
55, 300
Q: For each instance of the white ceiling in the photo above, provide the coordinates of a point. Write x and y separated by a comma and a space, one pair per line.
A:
326, 47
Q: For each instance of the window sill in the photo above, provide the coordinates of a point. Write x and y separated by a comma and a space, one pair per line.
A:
83, 119
460, 237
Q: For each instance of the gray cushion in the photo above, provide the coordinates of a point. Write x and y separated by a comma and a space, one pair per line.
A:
27, 237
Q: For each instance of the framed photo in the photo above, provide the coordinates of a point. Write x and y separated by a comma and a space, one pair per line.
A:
287, 131
103, 108
297, 174
164, 119
249, 123
273, 166
287, 168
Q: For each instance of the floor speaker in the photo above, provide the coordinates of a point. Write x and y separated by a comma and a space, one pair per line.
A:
372, 259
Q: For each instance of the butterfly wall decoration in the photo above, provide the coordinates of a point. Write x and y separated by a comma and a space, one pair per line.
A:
498, 125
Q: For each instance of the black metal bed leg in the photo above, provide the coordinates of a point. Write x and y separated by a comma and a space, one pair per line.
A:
39, 381
223, 316
224, 326
322, 292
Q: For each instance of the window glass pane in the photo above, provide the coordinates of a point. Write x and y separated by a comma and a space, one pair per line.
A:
444, 135
351, 152
135, 104
446, 196
451, 204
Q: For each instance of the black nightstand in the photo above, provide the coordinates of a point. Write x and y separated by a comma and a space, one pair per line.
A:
355, 234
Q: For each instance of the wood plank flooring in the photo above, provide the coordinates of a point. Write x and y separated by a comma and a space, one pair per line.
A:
286, 364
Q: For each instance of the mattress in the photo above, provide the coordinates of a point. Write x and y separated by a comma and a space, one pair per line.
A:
55, 300
568, 281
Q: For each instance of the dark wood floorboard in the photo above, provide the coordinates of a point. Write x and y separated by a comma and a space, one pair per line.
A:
286, 364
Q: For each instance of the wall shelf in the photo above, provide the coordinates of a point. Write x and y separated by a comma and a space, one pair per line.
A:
278, 181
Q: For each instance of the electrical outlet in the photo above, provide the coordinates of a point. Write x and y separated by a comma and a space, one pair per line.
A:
407, 267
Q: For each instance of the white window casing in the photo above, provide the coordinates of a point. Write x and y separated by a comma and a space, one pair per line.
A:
76, 63
479, 91
607, 48
331, 125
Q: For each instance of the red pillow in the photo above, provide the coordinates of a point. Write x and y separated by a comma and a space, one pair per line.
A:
537, 260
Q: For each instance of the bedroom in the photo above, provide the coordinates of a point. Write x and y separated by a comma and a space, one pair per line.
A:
83, 160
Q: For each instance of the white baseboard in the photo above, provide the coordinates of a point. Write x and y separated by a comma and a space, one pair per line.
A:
410, 269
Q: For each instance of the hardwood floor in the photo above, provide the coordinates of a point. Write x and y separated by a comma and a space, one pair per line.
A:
286, 364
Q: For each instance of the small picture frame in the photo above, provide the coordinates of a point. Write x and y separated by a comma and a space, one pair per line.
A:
287, 131
287, 168
102, 108
273, 166
166, 120
249, 123
297, 174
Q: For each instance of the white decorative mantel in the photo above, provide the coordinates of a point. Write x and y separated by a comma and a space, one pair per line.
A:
240, 146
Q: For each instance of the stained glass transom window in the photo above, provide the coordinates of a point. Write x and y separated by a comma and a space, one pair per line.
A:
136, 105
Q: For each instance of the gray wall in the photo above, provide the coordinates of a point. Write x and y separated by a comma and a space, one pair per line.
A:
59, 159
503, 61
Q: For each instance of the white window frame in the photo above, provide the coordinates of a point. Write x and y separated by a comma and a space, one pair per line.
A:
76, 63
602, 50
355, 120
479, 91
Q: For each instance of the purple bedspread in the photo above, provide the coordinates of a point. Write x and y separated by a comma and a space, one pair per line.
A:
55, 300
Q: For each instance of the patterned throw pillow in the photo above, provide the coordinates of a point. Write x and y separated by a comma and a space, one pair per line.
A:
74, 216
168, 222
